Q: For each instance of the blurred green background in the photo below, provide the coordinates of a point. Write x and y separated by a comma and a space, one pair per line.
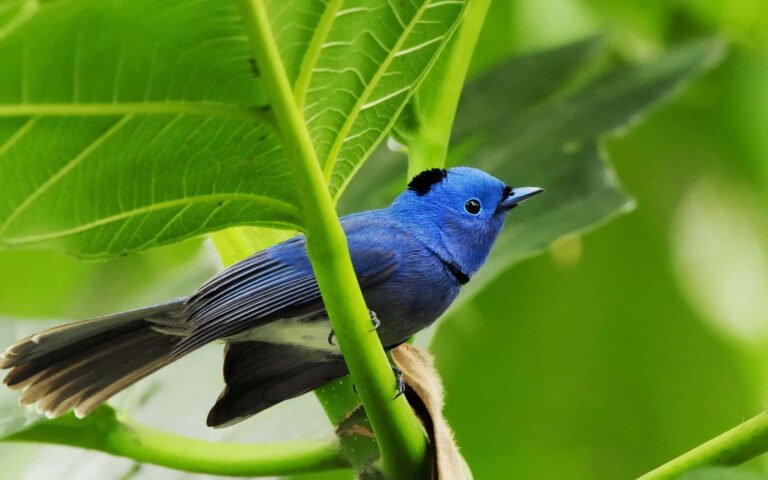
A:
600, 359
622, 349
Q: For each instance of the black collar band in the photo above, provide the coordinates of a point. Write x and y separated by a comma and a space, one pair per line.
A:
460, 276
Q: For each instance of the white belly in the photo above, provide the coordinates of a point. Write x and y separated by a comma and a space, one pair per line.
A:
292, 331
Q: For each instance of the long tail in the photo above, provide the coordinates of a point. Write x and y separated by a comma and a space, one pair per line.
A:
81, 365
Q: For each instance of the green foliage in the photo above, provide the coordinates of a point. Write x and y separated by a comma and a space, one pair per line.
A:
128, 125
547, 133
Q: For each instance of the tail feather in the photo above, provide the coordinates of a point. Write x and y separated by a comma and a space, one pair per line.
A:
81, 365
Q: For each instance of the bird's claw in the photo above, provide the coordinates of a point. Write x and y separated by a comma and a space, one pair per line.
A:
399, 382
374, 319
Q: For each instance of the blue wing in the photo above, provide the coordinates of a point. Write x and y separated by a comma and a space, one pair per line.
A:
279, 282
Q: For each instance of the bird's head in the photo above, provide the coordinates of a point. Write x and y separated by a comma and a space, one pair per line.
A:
458, 212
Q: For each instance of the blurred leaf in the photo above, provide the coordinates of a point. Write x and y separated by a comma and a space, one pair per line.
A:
46, 284
602, 371
528, 123
237, 243
128, 125
555, 145
720, 251
499, 36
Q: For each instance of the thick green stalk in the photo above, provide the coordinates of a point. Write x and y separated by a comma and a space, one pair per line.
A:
147, 445
733, 447
398, 432
428, 144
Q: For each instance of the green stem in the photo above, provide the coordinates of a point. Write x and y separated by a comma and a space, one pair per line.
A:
733, 447
147, 445
428, 147
398, 432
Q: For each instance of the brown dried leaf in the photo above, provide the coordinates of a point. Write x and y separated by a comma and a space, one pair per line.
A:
425, 394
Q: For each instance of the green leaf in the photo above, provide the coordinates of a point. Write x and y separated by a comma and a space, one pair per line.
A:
128, 125
364, 77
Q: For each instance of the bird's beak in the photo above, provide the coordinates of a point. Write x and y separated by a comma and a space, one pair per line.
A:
519, 195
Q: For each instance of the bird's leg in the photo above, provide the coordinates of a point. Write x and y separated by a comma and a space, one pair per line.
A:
374, 319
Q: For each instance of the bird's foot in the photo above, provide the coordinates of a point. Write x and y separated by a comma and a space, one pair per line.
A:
399, 382
374, 319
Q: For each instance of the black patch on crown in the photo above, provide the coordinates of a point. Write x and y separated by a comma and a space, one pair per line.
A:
422, 183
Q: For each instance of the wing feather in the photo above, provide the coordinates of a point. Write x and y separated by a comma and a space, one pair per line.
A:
275, 283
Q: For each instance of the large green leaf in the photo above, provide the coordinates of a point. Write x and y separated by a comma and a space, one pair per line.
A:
125, 125
535, 121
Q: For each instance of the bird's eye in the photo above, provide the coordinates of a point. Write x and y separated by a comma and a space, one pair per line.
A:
472, 206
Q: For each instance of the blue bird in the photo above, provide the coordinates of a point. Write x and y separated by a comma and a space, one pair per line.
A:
410, 259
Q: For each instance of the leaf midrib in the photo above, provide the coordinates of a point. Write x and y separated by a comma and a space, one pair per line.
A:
286, 208
261, 115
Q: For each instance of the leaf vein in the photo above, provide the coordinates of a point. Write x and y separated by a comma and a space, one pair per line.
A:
383, 67
63, 171
287, 209
18, 134
138, 108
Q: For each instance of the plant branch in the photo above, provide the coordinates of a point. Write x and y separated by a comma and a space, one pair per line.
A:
428, 143
733, 447
147, 445
398, 432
